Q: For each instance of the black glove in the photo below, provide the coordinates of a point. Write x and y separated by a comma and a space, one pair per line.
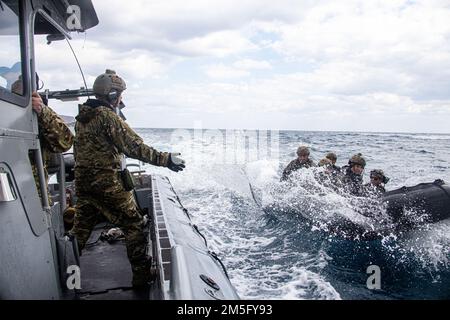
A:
175, 163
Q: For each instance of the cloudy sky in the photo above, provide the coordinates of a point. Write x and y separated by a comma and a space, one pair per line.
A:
262, 64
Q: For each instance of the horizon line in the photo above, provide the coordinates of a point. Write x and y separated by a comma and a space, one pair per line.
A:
299, 130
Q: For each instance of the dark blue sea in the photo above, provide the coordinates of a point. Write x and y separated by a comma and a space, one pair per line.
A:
257, 225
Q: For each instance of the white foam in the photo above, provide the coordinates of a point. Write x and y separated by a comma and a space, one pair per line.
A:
262, 264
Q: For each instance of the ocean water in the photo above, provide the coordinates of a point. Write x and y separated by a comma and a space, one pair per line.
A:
257, 225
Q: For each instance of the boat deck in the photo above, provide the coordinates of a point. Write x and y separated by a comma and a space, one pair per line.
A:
106, 272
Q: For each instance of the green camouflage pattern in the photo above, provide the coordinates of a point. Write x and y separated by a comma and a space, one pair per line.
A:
101, 139
373, 190
330, 178
54, 134
101, 193
353, 183
54, 137
295, 165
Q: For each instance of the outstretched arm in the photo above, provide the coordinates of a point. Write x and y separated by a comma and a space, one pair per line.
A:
131, 144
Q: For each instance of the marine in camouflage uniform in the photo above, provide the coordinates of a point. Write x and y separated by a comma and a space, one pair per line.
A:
302, 161
54, 135
329, 176
102, 137
353, 178
333, 158
377, 181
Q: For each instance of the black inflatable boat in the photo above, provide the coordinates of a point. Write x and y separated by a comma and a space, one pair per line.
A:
423, 203
408, 209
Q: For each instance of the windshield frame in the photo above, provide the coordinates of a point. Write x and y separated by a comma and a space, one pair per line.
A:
6, 95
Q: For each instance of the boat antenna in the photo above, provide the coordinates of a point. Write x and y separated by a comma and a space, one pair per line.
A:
79, 66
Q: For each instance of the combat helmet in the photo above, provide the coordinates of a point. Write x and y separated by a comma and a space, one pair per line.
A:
325, 162
380, 174
331, 156
357, 159
303, 151
108, 82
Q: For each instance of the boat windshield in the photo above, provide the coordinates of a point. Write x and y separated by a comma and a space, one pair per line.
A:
10, 56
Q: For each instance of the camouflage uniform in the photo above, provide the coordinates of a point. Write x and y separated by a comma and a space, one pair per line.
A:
377, 189
54, 137
101, 139
353, 183
336, 169
333, 158
374, 190
329, 177
295, 165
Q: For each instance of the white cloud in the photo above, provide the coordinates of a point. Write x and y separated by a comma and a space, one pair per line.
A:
248, 64
178, 26
277, 105
57, 66
336, 65
239, 69
221, 71
383, 40
218, 44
